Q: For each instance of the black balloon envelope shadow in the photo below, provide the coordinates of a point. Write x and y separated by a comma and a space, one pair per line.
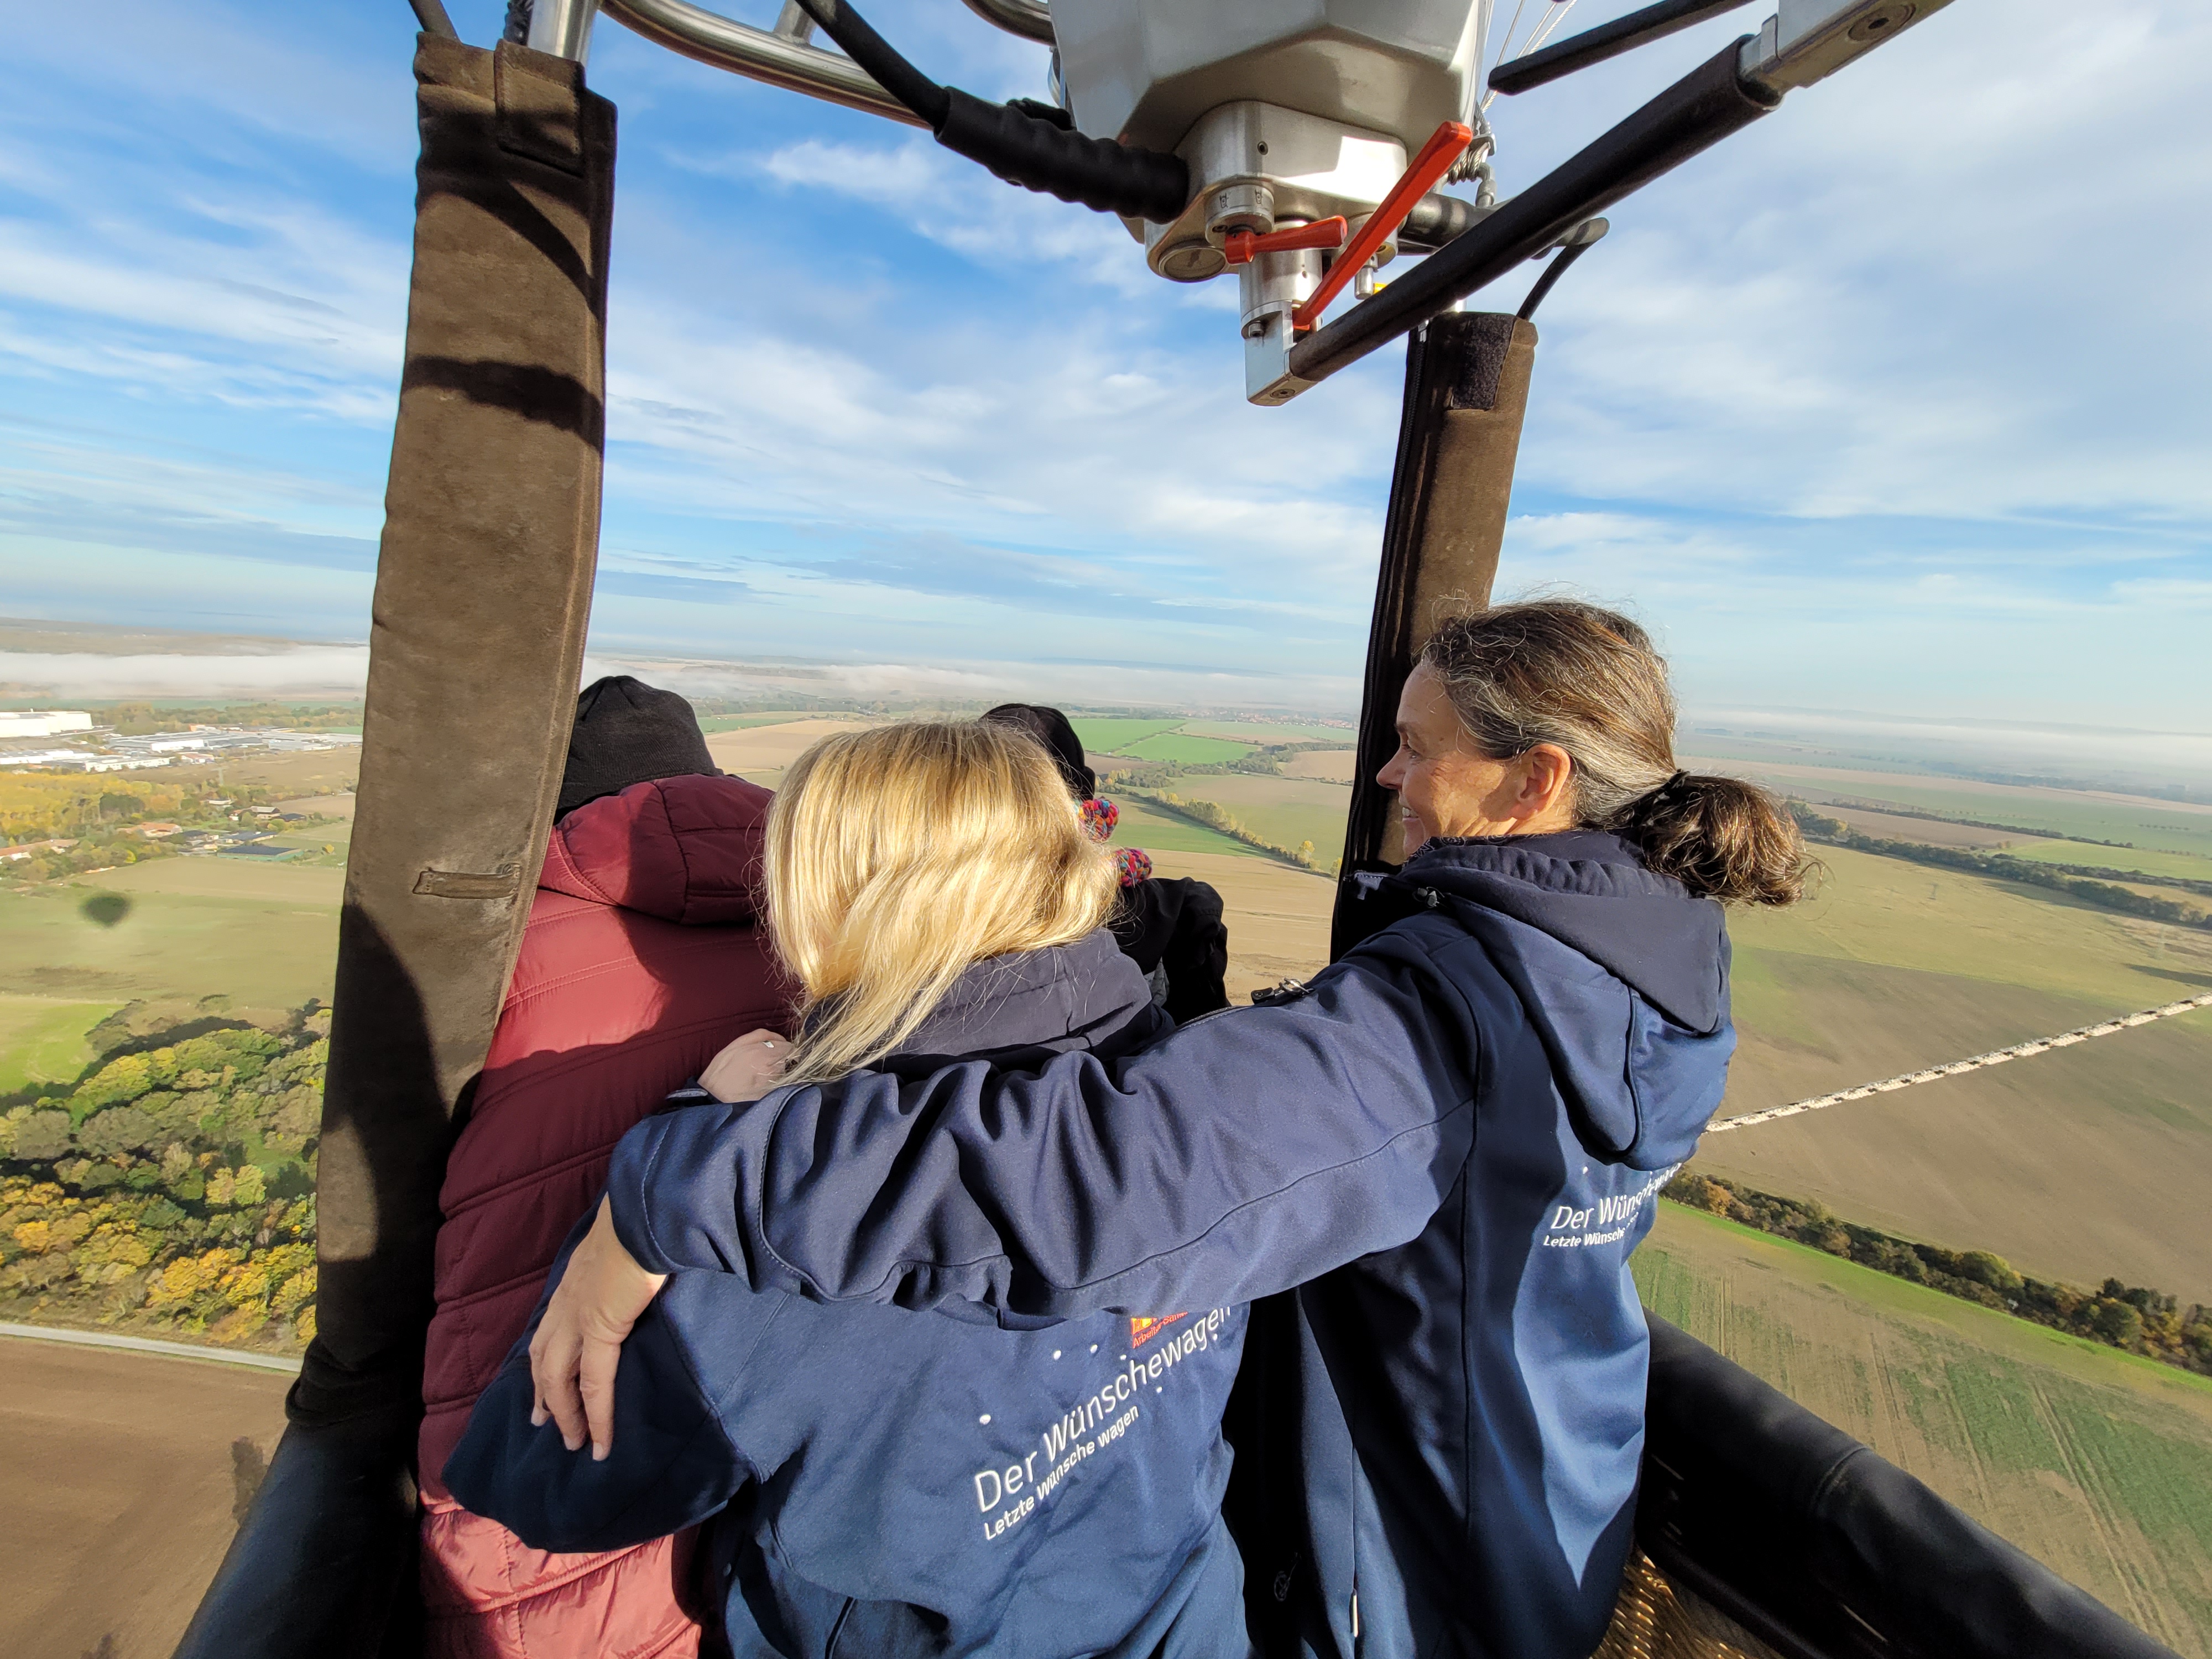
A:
105, 909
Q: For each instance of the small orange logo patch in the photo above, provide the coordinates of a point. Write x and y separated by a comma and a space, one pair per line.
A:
1142, 1331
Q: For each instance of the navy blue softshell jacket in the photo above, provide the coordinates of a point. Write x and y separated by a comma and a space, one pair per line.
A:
890, 1484
1451, 1142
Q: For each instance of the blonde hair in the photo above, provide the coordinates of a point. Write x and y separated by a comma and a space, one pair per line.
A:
898, 857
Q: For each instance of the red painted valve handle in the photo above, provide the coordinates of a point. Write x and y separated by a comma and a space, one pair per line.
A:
1242, 246
1434, 161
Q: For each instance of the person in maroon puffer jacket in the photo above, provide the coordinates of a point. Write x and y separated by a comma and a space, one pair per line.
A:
644, 955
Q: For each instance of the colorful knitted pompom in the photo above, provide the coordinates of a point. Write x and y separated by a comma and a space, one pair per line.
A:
1135, 865
1099, 817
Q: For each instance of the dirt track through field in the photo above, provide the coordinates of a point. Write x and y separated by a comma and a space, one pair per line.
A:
118, 1481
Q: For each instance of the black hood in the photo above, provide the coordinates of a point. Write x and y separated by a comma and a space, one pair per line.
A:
1589, 889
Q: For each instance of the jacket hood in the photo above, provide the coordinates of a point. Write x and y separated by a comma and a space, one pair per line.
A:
1064, 997
1589, 889
1623, 972
686, 849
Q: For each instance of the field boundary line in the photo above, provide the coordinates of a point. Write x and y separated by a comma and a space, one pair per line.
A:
267, 1362
1957, 1067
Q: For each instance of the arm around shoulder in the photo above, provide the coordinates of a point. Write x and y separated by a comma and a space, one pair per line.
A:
1245, 1154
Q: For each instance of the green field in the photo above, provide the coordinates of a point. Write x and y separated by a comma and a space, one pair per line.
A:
1109, 737
1874, 909
265, 935
1262, 732
42, 1040
2096, 1462
1284, 811
1146, 826
2189, 866
1180, 748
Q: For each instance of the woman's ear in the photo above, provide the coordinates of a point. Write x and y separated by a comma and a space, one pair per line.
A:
1546, 794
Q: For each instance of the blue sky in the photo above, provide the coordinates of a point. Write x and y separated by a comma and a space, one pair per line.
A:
1897, 402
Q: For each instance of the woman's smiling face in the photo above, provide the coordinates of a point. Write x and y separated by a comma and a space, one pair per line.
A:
1446, 787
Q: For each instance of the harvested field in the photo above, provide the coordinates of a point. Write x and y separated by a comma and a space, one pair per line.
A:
339, 804
118, 1481
1332, 765
2094, 1462
1278, 916
2152, 825
2077, 1164
316, 772
1931, 832
710, 724
756, 751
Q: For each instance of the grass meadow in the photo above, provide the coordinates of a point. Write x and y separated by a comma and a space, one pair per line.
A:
1284, 811
42, 1040
2095, 1461
1182, 749
263, 934
1112, 737
2192, 866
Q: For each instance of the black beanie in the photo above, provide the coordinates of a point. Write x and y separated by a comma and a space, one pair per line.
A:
626, 732
1050, 728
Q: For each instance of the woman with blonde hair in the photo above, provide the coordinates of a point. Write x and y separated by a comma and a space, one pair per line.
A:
882, 1484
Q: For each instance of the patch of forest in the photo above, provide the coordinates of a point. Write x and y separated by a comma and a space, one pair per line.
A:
171, 1187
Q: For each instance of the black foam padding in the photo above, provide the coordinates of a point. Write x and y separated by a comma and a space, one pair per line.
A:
324, 1566
1041, 156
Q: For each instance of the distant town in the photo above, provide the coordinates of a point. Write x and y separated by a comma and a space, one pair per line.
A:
27, 739
57, 822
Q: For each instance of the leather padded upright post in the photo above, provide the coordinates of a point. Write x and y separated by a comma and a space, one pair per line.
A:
483, 589
1467, 392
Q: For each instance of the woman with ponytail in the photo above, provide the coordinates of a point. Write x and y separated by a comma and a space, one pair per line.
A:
1444, 1147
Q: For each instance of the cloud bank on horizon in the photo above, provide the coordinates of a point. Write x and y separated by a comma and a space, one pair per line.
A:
1896, 402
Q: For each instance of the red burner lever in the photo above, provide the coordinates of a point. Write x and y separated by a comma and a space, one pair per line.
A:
1242, 246
1434, 161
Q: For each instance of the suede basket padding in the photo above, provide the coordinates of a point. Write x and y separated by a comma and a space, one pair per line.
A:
483, 587
1466, 390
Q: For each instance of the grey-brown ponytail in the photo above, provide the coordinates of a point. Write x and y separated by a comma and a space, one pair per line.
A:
1587, 681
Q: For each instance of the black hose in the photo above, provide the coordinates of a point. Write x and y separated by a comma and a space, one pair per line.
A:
1036, 151
1581, 241
884, 65
431, 14
1436, 219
